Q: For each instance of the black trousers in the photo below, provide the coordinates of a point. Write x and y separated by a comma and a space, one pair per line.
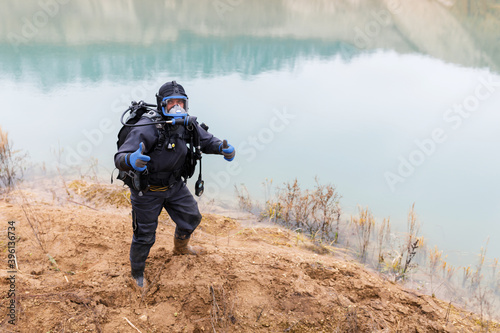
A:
179, 204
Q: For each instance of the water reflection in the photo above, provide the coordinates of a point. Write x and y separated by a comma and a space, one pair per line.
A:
63, 41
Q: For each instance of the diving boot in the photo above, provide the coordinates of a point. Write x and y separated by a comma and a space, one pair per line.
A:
138, 277
181, 247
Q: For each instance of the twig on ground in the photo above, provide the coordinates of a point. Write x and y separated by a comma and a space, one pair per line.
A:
128, 321
34, 228
81, 204
260, 314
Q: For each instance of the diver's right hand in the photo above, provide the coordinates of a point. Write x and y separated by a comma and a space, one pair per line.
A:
137, 160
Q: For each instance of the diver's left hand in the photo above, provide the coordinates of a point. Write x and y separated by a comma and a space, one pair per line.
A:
227, 150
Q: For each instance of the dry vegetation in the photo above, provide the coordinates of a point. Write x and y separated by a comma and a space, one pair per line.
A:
315, 212
11, 164
106, 195
401, 257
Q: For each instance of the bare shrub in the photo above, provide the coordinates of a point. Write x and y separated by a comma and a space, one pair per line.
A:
477, 277
271, 211
412, 242
383, 236
450, 272
302, 210
482, 294
272, 208
363, 225
244, 199
11, 164
466, 275
434, 260
311, 211
288, 197
325, 209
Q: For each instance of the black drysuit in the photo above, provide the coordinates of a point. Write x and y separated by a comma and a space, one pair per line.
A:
163, 168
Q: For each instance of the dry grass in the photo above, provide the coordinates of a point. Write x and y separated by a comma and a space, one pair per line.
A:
217, 225
273, 236
100, 194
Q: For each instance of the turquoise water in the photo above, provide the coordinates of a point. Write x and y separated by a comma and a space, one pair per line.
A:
390, 105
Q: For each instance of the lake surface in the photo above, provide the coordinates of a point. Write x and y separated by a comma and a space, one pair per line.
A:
393, 102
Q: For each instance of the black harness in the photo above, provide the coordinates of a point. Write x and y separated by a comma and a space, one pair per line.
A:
142, 181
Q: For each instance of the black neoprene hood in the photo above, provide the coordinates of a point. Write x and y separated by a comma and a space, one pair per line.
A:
171, 89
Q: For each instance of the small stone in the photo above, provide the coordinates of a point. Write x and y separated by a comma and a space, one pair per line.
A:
143, 317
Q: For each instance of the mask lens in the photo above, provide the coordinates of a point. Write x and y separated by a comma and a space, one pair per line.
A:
174, 105
176, 101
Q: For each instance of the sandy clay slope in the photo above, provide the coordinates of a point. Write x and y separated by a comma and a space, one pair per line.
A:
252, 278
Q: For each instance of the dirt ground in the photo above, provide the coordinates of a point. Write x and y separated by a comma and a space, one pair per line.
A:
73, 276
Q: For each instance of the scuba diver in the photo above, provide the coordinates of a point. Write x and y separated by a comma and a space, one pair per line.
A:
157, 152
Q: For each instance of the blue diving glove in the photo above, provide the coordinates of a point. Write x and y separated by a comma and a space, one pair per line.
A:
137, 160
227, 150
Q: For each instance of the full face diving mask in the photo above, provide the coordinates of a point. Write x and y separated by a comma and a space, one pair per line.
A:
176, 111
